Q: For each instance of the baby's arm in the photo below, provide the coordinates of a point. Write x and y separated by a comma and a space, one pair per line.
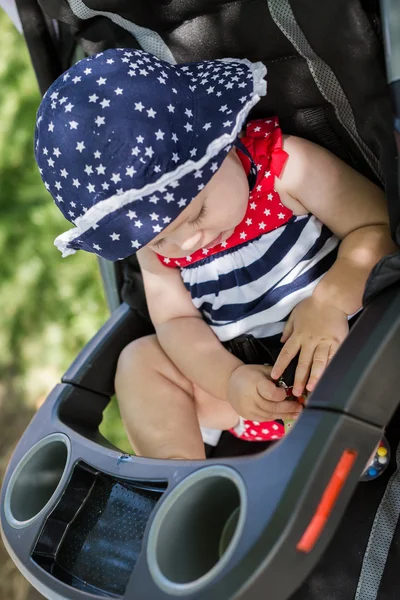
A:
199, 355
354, 209
181, 331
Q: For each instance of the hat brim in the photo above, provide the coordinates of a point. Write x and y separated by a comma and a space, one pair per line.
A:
93, 227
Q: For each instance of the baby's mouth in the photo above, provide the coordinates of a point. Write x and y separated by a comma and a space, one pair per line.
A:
214, 242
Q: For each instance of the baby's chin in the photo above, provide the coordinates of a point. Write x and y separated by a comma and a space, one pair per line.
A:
173, 255
177, 255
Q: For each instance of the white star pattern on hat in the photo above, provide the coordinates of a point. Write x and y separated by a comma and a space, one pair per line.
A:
136, 112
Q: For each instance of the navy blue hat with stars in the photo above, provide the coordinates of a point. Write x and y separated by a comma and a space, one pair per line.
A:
125, 141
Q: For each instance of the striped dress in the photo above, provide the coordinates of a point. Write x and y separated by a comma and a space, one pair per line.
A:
273, 260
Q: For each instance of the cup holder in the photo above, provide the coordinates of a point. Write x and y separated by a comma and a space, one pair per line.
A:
196, 530
36, 480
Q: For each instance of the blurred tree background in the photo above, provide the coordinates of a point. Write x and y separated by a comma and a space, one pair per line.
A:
50, 307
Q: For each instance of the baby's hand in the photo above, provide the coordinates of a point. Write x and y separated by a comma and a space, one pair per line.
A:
316, 330
254, 396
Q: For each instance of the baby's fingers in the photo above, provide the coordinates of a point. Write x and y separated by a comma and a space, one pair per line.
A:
288, 409
303, 369
288, 352
269, 391
287, 330
322, 356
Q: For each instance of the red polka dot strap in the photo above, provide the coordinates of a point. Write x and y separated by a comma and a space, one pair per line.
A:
265, 212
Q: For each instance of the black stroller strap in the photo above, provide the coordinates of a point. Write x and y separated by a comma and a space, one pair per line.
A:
261, 351
43, 52
252, 176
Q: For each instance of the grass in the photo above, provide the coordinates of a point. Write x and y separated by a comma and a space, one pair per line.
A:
50, 306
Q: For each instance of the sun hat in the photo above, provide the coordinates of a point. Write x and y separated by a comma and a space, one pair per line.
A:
125, 141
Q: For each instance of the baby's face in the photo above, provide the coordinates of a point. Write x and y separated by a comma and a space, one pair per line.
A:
211, 217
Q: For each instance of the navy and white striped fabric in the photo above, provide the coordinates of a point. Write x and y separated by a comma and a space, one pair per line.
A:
252, 288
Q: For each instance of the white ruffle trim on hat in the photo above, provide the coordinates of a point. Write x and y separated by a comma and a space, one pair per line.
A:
259, 71
100, 210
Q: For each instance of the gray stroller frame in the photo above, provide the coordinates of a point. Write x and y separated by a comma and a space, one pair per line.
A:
82, 520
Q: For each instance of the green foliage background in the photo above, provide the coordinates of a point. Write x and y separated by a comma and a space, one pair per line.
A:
50, 307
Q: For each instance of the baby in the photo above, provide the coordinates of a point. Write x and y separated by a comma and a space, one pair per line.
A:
237, 235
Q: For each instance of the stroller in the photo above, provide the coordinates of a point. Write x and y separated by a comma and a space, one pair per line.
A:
83, 520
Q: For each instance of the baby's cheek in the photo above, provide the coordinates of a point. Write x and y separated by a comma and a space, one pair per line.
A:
228, 219
234, 215
240, 206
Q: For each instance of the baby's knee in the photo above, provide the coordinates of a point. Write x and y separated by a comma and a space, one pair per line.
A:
136, 357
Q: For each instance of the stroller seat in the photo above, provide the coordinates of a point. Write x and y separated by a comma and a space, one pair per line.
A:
327, 83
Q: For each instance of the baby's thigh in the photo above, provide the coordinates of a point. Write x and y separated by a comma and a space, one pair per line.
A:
142, 362
212, 412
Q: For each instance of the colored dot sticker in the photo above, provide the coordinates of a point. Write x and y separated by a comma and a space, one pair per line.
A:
382, 460
372, 472
382, 451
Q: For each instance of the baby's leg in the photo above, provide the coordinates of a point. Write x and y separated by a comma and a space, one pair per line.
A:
159, 405
156, 403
